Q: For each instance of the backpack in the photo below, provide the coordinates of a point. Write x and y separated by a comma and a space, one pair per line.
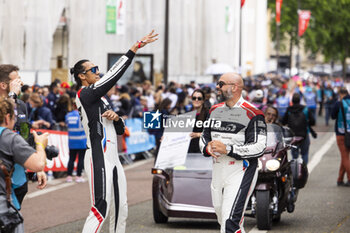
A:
297, 122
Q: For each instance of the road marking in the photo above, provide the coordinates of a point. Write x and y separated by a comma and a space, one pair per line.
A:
320, 153
47, 190
316, 159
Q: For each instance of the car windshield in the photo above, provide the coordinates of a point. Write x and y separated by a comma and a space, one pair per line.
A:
197, 162
274, 135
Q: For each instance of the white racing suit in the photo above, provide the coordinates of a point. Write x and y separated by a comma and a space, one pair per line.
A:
105, 174
234, 175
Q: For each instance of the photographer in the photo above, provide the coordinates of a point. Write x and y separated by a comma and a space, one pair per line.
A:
14, 149
10, 87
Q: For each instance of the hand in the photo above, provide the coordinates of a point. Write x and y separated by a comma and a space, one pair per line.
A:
41, 139
15, 86
210, 150
42, 180
150, 38
111, 115
195, 135
218, 147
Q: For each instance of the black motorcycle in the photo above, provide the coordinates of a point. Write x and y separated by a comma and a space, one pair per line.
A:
278, 179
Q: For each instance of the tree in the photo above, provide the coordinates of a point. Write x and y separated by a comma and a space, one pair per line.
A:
328, 32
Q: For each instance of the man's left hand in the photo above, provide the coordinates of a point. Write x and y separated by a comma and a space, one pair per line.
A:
111, 115
218, 147
42, 180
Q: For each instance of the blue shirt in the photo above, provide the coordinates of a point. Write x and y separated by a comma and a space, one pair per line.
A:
76, 134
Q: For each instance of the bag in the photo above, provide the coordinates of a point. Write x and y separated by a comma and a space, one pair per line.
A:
10, 220
346, 134
300, 173
297, 123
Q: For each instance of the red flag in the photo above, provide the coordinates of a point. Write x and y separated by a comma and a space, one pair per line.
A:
304, 17
278, 11
242, 3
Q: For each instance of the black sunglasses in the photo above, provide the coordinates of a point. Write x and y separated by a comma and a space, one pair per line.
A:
197, 98
221, 84
93, 70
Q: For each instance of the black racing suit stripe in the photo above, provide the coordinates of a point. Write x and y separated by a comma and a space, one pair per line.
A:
256, 130
116, 195
102, 86
232, 224
205, 139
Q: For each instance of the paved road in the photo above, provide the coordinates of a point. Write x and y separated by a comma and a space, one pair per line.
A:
321, 206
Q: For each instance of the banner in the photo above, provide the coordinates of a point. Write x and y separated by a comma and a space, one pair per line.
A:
304, 17
139, 140
111, 13
278, 11
174, 146
121, 16
242, 3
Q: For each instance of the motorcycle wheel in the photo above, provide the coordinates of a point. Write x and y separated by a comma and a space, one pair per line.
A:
263, 211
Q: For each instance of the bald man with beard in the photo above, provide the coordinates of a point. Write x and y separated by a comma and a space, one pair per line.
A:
235, 147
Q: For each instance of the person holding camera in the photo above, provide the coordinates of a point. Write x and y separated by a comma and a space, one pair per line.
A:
10, 87
102, 125
14, 149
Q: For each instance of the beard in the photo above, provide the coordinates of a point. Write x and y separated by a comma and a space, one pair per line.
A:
223, 96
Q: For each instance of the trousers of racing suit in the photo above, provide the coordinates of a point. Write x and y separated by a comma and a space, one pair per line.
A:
104, 171
234, 175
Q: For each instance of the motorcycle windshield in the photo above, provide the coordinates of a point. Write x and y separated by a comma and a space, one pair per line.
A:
274, 136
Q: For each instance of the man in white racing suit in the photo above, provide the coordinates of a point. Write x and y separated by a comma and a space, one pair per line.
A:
101, 125
235, 147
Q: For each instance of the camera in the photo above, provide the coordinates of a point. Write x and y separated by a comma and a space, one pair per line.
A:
24, 130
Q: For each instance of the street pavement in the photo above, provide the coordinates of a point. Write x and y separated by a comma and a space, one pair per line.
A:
321, 205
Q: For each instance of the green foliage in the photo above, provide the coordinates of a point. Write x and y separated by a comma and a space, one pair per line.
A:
328, 32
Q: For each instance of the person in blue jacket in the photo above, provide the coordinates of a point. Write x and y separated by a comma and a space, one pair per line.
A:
76, 144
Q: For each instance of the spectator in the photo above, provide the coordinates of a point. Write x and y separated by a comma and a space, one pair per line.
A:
271, 115
329, 101
14, 149
148, 93
164, 108
339, 126
76, 143
53, 96
310, 100
299, 119
125, 100
282, 103
64, 106
201, 115
39, 114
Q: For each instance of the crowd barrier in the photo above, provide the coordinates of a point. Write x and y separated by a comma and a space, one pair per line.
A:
139, 141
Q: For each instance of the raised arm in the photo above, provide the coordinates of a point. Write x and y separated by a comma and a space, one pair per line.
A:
102, 86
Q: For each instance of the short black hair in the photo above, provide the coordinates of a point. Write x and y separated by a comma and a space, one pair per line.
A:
78, 69
5, 70
296, 98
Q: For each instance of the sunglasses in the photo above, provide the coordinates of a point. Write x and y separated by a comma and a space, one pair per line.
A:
93, 70
221, 84
197, 98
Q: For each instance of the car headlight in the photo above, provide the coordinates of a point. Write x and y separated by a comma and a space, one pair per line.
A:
273, 165
259, 165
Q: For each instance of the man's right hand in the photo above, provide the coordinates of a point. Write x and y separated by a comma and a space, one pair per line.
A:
15, 86
41, 139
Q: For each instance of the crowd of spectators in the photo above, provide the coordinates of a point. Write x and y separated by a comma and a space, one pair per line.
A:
48, 105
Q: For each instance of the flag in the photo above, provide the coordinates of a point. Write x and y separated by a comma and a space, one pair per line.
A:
242, 3
278, 11
304, 17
